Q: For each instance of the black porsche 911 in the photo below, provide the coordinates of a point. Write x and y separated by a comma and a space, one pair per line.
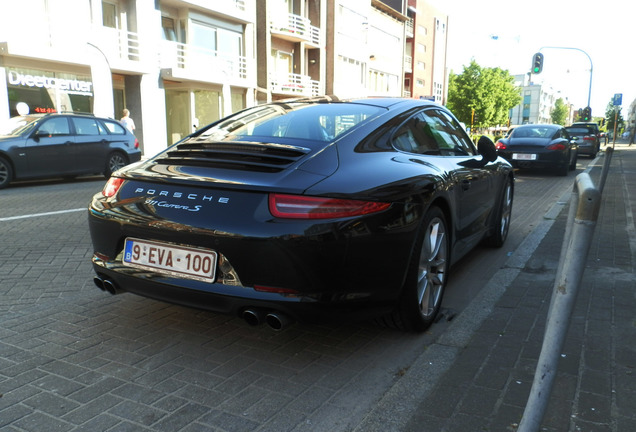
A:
541, 146
312, 210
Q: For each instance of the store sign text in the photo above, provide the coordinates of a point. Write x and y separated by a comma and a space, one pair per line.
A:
66, 85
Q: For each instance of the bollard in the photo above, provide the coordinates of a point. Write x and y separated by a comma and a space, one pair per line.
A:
576, 245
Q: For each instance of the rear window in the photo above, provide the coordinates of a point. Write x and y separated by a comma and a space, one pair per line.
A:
114, 128
533, 132
578, 131
312, 122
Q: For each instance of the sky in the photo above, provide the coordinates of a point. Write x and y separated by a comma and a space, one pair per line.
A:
506, 34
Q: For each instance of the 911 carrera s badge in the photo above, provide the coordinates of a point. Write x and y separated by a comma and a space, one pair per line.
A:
166, 204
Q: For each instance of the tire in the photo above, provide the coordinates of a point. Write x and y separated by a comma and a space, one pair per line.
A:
427, 276
564, 169
502, 225
115, 161
572, 166
6, 173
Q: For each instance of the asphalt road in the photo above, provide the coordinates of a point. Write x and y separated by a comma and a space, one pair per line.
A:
74, 358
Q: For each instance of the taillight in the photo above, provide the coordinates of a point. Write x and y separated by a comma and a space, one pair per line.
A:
589, 138
557, 146
112, 186
305, 207
136, 143
500, 146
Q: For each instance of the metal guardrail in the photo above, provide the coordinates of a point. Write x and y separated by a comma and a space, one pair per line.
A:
584, 208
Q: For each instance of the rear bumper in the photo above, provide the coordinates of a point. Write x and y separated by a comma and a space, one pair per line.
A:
234, 300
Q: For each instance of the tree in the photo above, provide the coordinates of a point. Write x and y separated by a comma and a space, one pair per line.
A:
560, 112
612, 113
489, 91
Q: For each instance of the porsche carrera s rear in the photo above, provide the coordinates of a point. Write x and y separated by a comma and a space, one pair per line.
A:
224, 224
308, 210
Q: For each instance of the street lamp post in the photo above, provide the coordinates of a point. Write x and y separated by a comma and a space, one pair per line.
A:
589, 92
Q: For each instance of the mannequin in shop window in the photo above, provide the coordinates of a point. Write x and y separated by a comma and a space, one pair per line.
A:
127, 121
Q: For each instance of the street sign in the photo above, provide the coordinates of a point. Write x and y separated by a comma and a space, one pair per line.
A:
618, 99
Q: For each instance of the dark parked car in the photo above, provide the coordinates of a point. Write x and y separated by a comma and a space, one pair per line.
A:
539, 146
587, 136
311, 210
65, 145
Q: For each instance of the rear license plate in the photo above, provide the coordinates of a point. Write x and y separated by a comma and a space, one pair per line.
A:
524, 156
186, 262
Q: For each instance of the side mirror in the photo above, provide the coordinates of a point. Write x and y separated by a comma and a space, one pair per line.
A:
487, 149
41, 134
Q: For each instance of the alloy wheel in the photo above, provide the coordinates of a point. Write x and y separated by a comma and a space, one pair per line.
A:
432, 267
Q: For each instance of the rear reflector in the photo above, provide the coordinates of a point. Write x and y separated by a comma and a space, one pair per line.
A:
306, 207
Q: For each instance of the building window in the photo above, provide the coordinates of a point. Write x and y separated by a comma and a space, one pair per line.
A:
109, 15
283, 62
352, 70
421, 65
169, 32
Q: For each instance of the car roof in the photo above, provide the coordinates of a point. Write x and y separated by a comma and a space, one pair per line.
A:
385, 102
539, 125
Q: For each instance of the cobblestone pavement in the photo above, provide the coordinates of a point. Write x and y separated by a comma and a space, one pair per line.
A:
75, 359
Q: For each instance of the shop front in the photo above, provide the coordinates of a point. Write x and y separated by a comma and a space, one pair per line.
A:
38, 91
188, 109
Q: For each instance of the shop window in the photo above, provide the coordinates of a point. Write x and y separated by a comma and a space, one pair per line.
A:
206, 106
238, 102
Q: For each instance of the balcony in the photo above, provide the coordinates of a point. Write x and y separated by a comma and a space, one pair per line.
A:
191, 62
296, 29
409, 28
118, 46
294, 84
242, 10
408, 64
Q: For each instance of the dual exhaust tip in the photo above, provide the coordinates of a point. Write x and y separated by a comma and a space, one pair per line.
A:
106, 285
276, 320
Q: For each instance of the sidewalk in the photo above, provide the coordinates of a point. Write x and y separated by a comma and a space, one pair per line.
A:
487, 384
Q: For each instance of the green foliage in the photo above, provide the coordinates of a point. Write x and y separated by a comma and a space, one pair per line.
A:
613, 113
490, 92
560, 112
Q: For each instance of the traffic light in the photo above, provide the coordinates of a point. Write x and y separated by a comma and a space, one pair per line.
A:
537, 63
587, 114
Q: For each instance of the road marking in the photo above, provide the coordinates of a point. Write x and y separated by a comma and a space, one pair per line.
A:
41, 214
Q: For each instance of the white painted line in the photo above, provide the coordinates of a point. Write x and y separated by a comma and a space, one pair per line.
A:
41, 214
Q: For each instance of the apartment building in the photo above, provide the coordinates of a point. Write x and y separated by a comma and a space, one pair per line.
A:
180, 64
538, 101
174, 64
426, 76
